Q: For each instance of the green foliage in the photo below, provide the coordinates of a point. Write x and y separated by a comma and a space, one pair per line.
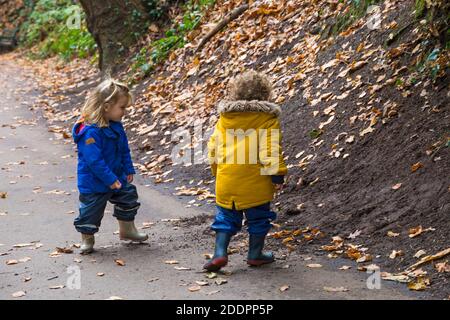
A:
357, 9
313, 134
154, 9
157, 51
46, 29
419, 8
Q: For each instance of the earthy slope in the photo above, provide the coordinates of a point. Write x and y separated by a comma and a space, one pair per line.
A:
365, 129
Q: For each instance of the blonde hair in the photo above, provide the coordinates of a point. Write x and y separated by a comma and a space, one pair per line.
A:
250, 85
107, 92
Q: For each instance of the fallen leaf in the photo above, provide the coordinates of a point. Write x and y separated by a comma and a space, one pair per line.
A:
284, 288
394, 254
442, 267
194, 288
416, 166
120, 262
171, 262
56, 287
392, 234
220, 281
396, 186
344, 268
414, 232
338, 289
421, 283
202, 283
3, 195
23, 245
394, 277
182, 268
426, 259
18, 294
64, 250
366, 131
314, 265
354, 234
100, 274
419, 253
11, 262
213, 292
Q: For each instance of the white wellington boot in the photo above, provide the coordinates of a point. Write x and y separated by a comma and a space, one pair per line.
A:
87, 243
128, 231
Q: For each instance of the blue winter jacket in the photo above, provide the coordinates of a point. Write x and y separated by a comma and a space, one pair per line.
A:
103, 156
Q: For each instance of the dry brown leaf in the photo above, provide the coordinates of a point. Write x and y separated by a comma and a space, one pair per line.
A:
18, 294
194, 288
414, 232
220, 281
416, 166
392, 234
394, 254
284, 288
442, 267
419, 253
119, 262
56, 287
337, 289
396, 186
314, 265
426, 259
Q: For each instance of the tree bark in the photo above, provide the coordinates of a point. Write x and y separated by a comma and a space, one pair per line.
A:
115, 26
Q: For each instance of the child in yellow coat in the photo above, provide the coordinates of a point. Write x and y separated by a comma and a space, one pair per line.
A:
245, 156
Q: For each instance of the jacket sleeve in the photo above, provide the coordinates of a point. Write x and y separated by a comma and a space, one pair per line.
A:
126, 156
270, 151
212, 151
91, 148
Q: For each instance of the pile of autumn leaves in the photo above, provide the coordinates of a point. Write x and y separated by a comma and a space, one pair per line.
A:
415, 277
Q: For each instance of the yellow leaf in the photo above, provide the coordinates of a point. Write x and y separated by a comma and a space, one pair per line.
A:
416, 166
420, 284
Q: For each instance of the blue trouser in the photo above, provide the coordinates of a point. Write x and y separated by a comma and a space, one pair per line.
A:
258, 220
92, 208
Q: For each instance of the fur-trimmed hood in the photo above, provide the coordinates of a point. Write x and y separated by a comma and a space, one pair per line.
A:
248, 106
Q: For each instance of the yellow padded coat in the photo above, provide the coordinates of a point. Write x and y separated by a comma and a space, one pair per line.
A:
244, 151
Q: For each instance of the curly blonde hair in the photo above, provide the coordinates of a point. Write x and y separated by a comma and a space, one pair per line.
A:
108, 92
250, 85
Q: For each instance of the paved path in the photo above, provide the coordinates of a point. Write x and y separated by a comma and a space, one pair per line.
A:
38, 174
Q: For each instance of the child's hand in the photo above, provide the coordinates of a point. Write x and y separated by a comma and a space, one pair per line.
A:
130, 178
116, 185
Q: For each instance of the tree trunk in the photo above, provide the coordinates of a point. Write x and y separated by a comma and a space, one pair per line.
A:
115, 26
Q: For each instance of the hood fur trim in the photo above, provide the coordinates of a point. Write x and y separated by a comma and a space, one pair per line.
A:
248, 106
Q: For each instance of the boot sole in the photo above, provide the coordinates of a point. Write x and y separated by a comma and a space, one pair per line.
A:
128, 239
83, 252
216, 264
257, 263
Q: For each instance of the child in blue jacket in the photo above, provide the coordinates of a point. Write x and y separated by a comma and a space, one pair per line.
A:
105, 169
